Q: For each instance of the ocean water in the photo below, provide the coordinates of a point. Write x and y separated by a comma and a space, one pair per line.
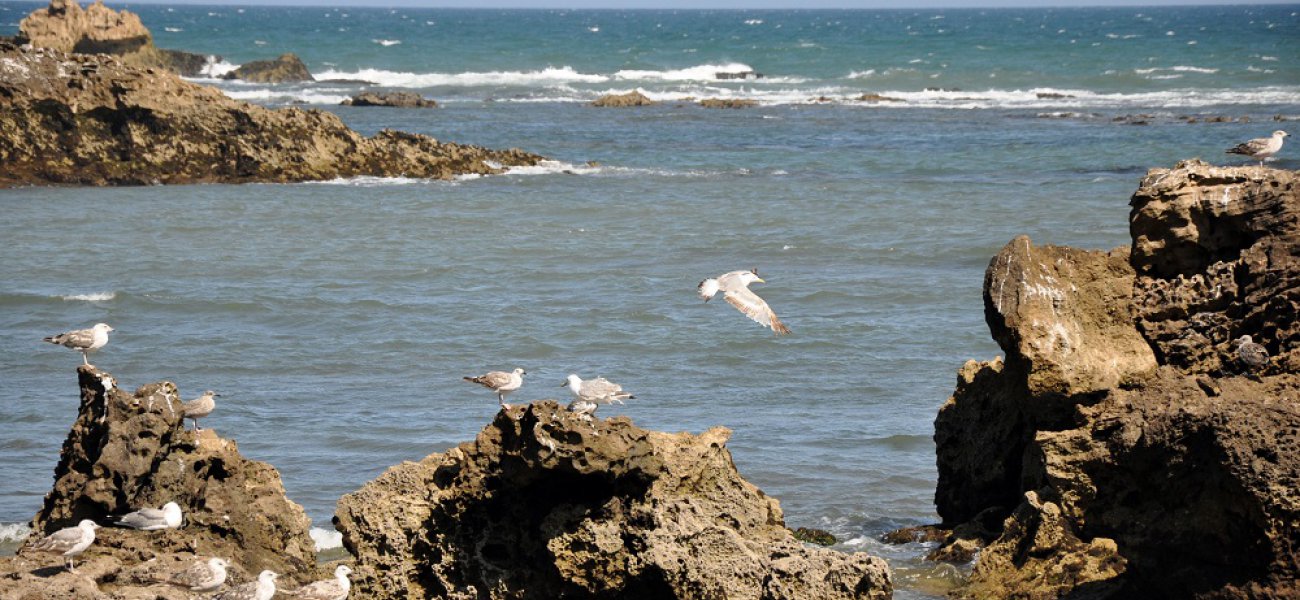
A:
337, 318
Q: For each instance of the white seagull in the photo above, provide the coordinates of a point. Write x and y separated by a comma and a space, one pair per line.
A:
152, 519
1251, 354
262, 589
327, 589
595, 391
69, 541
735, 290
201, 576
1260, 149
200, 407
500, 382
83, 340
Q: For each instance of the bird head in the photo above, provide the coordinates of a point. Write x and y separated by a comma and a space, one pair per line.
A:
1280, 133
103, 327
342, 571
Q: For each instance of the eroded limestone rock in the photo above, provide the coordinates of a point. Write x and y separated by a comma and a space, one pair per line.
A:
66, 27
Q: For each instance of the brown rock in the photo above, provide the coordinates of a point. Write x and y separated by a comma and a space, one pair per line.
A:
97, 29
873, 97
78, 119
287, 68
393, 99
632, 98
728, 103
545, 504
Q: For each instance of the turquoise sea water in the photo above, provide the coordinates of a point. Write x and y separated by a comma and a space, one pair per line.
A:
337, 318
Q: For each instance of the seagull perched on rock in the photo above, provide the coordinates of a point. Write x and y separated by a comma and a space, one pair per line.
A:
152, 519
201, 576
1251, 354
500, 382
327, 589
200, 407
735, 290
596, 391
262, 589
83, 340
1260, 149
583, 408
69, 541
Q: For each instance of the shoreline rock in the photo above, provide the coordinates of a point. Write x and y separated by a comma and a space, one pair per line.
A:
390, 99
287, 68
97, 29
632, 98
91, 120
547, 504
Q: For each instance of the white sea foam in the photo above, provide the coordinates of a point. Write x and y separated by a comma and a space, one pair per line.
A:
708, 72
326, 539
173, 29
753, 21
550, 75
284, 96
215, 68
1176, 69
387, 42
14, 532
94, 297
367, 181
553, 167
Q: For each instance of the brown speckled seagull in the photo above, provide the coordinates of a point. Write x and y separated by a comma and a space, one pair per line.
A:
500, 382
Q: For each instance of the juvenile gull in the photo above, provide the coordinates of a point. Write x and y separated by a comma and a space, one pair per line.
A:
500, 382
598, 390
1251, 354
262, 589
151, 519
200, 407
69, 541
83, 340
327, 589
1260, 149
735, 290
201, 576
584, 408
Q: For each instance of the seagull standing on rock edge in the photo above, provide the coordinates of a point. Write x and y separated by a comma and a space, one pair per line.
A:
595, 391
200, 407
69, 542
83, 340
1260, 149
735, 290
500, 382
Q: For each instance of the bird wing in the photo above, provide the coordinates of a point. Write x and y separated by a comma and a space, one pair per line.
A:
1254, 354
600, 388
320, 590
746, 301
144, 517
496, 379
243, 591
81, 338
1254, 146
197, 573
60, 540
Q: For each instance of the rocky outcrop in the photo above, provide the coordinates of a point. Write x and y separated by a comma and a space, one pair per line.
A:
66, 27
393, 99
130, 450
632, 98
287, 68
1127, 449
547, 504
83, 119
728, 103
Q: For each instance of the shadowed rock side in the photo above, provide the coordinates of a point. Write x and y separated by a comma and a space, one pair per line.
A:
97, 29
545, 504
131, 450
1130, 452
81, 119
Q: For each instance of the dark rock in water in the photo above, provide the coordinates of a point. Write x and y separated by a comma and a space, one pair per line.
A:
633, 98
97, 29
922, 533
82, 119
809, 535
1128, 455
727, 103
737, 75
546, 504
873, 97
1052, 96
131, 450
393, 99
287, 68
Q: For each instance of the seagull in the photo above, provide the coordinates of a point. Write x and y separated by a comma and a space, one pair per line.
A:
83, 340
583, 408
327, 589
735, 289
262, 589
1261, 149
597, 391
200, 407
500, 382
152, 519
1251, 354
201, 576
69, 541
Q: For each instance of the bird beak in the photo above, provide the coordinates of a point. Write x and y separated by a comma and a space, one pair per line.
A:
565, 384
760, 280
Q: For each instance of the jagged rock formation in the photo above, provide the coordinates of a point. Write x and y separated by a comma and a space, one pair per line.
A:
287, 68
393, 99
131, 450
89, 119
66, 27
632, 98
1128, 450
547, 504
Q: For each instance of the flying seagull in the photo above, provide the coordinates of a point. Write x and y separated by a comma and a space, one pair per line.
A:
262, 589
152, 519
500, 382
735, 290
1251, 354
69, 541
83, 340
1261, 149
596, 391
327, 589
201, 576
200, 407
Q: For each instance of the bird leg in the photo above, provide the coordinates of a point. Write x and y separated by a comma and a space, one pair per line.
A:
84, 359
